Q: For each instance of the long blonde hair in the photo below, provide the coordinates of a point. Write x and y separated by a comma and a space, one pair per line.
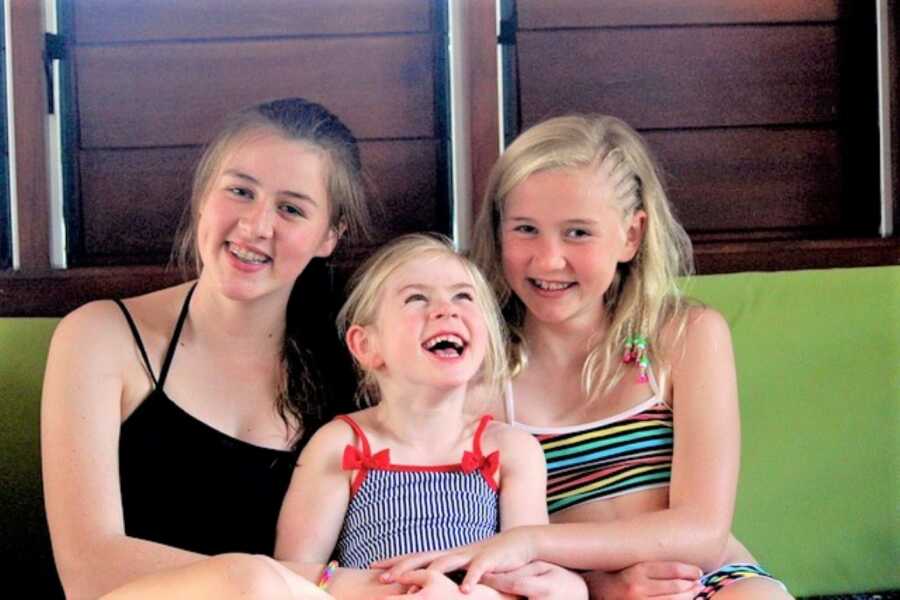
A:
366, 290
643, 295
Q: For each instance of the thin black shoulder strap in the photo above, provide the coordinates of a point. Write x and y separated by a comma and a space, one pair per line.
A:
137, 339
173, 343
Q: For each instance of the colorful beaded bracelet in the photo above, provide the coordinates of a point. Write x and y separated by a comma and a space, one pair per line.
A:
327, 573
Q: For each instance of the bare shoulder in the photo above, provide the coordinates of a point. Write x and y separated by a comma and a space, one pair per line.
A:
508, 439
699, 328
330, 439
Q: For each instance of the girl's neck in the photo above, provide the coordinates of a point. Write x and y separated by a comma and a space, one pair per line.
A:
560, 348
255, 327
433, 418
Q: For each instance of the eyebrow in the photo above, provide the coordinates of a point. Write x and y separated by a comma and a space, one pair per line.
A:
566, 222
255, 181
422, 286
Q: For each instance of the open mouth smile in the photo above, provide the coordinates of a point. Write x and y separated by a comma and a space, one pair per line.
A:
551, 286
246, 255
446, 345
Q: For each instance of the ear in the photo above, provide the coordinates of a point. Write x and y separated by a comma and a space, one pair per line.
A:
331, 239
363, 345
634, 235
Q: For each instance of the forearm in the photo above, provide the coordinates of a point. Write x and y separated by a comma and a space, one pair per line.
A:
96, 568
662, 535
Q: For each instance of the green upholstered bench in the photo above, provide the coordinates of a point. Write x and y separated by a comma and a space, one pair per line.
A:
818, 356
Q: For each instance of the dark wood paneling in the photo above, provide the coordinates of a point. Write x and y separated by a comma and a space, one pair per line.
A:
132, 200
481, 70
404, 178
104, 21
752, 179
541, 14
733, 257
684, 77
175, 94
29, 99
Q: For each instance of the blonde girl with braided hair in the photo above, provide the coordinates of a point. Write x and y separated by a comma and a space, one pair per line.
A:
630, 387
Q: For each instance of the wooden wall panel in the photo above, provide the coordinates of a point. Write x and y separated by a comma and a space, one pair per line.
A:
133, 200
105, 21
175, 94
684, 77
543, 14
750, 181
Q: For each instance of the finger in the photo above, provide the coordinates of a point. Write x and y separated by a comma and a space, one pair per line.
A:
418, 578
408, 563
449, 562
672, 570
505, 579
390, 562
674, 588
477, 568
529, 586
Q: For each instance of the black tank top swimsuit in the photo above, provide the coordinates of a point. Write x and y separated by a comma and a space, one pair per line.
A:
189, 485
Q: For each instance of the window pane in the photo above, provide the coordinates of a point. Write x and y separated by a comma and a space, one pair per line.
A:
154, 79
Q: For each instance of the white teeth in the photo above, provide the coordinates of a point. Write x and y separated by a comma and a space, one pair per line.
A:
550, 286
449, 338
247, 255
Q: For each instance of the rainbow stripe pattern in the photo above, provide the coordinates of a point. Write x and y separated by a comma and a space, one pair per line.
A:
625, 453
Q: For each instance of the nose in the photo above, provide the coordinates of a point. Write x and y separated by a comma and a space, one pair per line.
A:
549, 254
258, 221
444, 309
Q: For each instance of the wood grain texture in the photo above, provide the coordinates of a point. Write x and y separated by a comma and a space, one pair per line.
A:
105, 21
684, 77
540, 14
176, 94
753, 179
133, 200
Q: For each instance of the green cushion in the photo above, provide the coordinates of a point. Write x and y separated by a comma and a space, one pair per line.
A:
24, 543
819, 378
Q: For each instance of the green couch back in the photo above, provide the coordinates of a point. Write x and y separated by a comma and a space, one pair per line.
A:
819, 375
819, 378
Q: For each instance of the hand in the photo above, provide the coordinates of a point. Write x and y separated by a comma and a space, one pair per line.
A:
504, 552
539, 581
431, 585
661, 580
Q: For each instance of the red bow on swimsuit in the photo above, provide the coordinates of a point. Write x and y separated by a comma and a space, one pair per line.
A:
354, 459
486, 464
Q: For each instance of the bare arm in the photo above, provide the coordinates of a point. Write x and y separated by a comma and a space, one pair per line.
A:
523, 478
313, 510
80, 418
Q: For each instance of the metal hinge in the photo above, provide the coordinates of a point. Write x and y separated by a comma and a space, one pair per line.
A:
54, 49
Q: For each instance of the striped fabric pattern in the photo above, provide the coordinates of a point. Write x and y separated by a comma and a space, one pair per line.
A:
400, 511
608, 458
725, 576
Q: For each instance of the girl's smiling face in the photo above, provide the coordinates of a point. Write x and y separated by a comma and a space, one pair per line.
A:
265, 216
429, 329
562, 237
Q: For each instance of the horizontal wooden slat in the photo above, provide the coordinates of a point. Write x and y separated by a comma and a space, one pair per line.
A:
542, 14
55, 293
175, 94
752, 179
102, 21
132, 200
677, 77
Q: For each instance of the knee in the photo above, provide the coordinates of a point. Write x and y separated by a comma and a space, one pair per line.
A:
250, 576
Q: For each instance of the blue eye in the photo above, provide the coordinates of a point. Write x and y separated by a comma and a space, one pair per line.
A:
291, 210
415, 298
464, 296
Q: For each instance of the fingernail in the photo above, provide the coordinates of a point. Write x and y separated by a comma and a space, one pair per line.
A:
386, 577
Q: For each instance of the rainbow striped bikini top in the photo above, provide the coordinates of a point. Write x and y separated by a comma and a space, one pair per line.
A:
625, 453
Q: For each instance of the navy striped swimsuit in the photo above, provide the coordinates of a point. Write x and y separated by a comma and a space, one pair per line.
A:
396, 509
